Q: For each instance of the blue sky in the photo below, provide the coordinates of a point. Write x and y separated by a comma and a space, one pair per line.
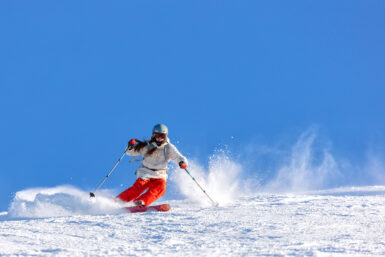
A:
78, 79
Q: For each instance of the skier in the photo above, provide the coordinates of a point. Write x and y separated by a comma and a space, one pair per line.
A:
152, 174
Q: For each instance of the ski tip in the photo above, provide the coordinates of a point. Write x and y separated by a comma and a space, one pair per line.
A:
162, 207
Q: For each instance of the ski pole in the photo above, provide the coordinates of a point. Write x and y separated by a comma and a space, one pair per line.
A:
92, 194
212, 201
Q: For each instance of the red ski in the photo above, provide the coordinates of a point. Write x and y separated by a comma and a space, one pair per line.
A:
144, 208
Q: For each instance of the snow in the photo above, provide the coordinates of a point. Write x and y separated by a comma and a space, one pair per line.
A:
60, 201
274, 217
64, 221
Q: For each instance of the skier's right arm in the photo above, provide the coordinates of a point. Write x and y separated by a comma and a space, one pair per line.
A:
130, 150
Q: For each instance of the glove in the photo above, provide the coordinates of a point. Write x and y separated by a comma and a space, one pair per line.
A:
182, 165
131, 144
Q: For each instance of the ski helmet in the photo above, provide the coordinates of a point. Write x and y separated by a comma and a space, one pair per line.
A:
160, 128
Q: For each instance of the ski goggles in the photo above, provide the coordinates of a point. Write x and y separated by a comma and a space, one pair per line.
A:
161, 135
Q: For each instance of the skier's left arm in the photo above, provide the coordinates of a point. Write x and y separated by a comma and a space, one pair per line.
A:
176, 156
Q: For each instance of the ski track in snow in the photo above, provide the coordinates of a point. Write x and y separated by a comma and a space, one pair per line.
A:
348, 222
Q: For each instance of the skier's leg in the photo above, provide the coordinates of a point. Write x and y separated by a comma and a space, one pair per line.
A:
156, 189
131, 193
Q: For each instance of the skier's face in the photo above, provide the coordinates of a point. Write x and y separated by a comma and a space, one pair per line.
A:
160, 137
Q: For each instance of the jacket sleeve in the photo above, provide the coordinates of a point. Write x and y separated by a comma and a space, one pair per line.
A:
175, 155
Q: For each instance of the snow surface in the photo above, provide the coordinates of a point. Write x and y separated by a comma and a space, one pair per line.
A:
256, 216
64, 221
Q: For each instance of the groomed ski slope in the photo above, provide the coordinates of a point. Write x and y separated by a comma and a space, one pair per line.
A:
342, 222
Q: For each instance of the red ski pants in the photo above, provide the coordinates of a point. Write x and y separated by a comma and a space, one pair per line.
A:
156, 189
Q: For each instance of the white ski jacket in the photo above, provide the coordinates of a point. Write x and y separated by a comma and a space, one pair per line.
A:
155, 165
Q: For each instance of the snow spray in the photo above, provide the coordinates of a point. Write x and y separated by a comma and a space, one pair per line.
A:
60, 201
